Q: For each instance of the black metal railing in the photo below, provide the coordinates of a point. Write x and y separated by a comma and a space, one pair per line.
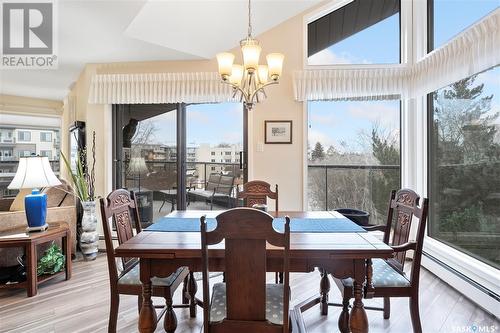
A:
332, 186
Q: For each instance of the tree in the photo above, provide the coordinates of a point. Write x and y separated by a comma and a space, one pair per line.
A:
386, 150
318, 152
466, 159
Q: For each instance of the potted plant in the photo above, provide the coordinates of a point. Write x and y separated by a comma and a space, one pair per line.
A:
83, 180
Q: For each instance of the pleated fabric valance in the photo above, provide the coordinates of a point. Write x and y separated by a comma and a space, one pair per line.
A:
474, 50
154, 88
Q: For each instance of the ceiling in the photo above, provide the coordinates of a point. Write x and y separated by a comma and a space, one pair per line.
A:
130, 30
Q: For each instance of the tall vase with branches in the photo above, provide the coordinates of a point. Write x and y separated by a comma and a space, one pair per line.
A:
83, 183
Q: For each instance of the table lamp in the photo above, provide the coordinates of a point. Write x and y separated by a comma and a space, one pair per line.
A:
137, 167
34, 172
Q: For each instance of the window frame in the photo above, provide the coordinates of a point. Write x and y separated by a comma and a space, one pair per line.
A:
405, 36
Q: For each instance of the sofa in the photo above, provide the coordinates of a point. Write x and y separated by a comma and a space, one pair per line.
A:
61, 206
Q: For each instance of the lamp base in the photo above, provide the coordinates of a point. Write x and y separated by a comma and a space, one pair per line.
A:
37, 229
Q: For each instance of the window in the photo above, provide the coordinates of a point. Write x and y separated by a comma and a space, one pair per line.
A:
212, 153
228, 153
227, 160
45, 136
46, 153
213, 160
24, 136
25, 153
464, 164
361, 32
353, 155
213, 168
447, 18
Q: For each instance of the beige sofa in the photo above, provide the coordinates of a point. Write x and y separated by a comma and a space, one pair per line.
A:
60, 207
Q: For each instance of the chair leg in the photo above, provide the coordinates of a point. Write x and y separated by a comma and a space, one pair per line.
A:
170, 320
344, 315
185, 296
139, 303
113, 312
192, 289
387, 307
415, 316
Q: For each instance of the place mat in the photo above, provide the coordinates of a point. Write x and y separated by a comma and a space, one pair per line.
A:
340, 225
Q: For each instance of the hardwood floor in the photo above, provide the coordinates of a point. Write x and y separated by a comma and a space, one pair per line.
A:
82, 305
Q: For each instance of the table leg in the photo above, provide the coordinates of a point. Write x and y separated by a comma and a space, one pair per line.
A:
192, 289
147, 316
66, 240
324, 289
358, 321
31, 263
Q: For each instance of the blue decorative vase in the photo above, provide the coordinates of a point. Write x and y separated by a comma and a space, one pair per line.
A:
35, 205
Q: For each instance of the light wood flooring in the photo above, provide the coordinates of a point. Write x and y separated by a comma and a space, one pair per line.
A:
82, 305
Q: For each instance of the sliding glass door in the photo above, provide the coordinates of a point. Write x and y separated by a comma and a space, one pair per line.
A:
215, 154
159, 146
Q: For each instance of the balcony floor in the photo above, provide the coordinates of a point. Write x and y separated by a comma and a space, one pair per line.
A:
82, 305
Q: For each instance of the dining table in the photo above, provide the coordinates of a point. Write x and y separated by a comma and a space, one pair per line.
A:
319, 239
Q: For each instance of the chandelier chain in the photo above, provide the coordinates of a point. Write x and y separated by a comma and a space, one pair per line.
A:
249, 19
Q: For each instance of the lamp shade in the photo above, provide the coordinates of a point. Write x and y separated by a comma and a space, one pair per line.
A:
263, 73
34, 172
275, 64
251, 54
225, 61
137, 166
237, 75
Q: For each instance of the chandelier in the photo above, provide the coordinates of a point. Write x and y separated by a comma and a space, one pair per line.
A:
250, 79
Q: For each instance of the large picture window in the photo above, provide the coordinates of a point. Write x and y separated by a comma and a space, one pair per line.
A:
353, 155
464, 166
355, 33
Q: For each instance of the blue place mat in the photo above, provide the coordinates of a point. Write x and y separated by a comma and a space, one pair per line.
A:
175, 224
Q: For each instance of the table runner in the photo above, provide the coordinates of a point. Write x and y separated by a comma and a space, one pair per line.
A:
313, 225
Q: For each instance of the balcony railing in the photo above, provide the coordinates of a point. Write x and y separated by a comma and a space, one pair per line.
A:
162, 175
364, 187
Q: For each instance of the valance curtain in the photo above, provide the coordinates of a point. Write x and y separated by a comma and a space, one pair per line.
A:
474, 50
153, 88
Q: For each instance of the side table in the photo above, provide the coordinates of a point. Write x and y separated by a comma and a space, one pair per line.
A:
29, 241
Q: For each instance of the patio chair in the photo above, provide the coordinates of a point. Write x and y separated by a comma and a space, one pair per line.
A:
217, 187
121, 207
245, 303
388, 279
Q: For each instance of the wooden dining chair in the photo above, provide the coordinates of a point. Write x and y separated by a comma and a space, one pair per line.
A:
257, 192
245, 303
388, 277
121, 208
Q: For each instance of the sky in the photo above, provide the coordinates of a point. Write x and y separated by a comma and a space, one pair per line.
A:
206, 123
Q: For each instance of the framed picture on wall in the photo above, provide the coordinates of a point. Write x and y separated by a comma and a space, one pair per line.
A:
278, 131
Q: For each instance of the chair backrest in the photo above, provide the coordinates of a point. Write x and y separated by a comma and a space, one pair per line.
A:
404, 210
226, 184
121, 207
257, 192
212, 182
246, 231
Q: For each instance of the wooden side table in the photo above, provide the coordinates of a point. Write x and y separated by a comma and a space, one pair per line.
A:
29, 241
